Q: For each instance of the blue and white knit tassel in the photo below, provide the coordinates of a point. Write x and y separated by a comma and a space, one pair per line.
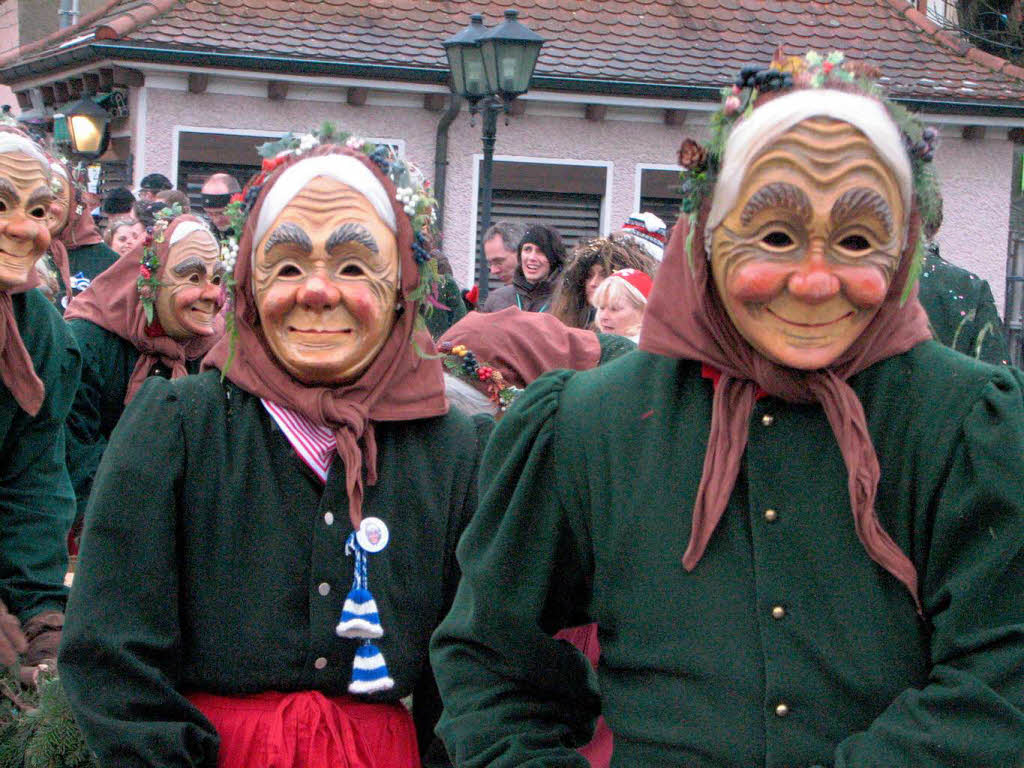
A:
360, 619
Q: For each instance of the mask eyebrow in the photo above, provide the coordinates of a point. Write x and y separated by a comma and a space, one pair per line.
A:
188, 266
352, 233
777, 195
860, 201
42, 195
6, 188
289, 233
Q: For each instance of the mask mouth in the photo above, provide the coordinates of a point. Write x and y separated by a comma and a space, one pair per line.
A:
824, 324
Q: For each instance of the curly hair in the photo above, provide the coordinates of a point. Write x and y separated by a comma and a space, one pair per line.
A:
611, 253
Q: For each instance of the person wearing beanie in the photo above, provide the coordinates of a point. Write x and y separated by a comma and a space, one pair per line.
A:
151, 185
620, 301
796, 517
648, 230
540, 256
269, 544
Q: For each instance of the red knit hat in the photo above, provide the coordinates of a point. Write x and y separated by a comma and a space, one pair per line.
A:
639, 283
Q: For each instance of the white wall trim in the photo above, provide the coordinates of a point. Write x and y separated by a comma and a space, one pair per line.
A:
638, 177
609, 168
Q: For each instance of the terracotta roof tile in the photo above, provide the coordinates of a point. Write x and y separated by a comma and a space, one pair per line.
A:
682, 42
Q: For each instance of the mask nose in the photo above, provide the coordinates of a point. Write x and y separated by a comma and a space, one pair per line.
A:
318, 293
813, 281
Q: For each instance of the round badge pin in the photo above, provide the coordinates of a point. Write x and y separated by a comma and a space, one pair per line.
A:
372, 534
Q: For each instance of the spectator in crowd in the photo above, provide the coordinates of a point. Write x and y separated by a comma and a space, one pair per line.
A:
217, 191
539, 256
500, 243
39, 372
960, 305
648, 230
145, 213
620, 301
175, 197
128, 332
591, 262
122, 236
117, 204
151, 185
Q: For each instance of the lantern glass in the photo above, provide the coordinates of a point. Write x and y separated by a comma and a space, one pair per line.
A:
465, 60
510, 53
88, 127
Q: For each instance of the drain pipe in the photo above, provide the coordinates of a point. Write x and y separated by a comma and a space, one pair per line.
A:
441, 153
68, 13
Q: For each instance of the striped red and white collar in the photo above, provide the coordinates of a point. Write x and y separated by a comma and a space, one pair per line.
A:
315, 444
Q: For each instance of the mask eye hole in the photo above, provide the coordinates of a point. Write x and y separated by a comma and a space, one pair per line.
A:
289, 270
855, 243
352, 270
777, 239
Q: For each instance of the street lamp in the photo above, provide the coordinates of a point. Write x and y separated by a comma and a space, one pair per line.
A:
88, 128
490, 68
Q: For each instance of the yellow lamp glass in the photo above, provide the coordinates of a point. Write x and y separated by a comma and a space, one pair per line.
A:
86, 135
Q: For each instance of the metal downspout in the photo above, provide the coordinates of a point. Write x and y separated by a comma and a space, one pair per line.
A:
441, 153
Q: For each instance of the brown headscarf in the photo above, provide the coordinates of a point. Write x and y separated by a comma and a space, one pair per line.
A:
399, 384
524, 345
79, 231
686, 319
17, 371
112, 302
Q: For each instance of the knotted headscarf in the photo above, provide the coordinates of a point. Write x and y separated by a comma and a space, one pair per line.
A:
398, 385
17, 371
686, 319
112, 302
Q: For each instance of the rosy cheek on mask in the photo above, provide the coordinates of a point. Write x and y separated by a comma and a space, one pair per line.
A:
758, 282
865, 286
361, 302
188, 296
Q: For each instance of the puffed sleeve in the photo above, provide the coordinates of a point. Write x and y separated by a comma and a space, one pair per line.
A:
970, 710
512, 694
120, 654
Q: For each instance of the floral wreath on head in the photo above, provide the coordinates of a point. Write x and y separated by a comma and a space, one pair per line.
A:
149, 263
459, 361
412, 190
701, 163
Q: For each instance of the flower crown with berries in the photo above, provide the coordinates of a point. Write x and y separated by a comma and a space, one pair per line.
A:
701, 163
412, 191
461, 362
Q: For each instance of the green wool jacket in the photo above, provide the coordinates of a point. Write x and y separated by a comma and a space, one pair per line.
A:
107, 365
36, 502
89, 260
786, 646
961, 309
214, 560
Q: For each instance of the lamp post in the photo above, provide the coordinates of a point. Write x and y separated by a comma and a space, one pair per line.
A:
490, 68
88, 128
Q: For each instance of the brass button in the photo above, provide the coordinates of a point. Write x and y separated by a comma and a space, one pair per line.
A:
321, 662
778, 612
767, 419
781, 710
771, 515
329, 518
324, 589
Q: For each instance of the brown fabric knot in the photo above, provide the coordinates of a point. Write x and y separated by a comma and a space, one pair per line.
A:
16, 368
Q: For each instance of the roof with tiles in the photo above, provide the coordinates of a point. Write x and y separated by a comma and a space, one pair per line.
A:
696, 43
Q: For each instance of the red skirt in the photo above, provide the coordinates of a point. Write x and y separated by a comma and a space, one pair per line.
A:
309, 730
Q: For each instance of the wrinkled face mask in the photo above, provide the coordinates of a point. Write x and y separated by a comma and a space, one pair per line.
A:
325, 280
25, 198
60, 207
805, 258
191, 290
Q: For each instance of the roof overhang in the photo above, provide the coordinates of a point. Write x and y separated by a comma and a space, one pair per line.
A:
32, 72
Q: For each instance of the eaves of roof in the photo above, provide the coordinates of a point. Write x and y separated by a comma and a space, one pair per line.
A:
115, 51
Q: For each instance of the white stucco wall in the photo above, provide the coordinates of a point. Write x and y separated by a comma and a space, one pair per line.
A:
975, 175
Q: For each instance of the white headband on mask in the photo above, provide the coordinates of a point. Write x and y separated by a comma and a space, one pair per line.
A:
769, 121
11, 142
186, 228
342, 168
